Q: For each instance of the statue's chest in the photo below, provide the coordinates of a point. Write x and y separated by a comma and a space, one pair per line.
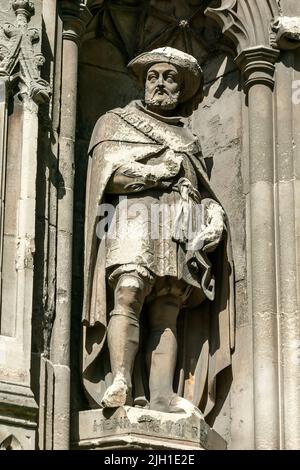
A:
175, 137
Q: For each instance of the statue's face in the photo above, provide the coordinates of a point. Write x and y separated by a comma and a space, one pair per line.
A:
162, 88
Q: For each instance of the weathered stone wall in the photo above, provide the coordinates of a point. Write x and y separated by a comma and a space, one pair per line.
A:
220, 124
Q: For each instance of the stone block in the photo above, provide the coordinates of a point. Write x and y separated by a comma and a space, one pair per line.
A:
137, 428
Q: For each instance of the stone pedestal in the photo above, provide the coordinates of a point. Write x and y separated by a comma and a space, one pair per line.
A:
137, 428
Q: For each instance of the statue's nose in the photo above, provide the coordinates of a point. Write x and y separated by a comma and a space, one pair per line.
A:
160, 81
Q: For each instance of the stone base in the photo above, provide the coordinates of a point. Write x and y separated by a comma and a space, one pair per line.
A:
137, 428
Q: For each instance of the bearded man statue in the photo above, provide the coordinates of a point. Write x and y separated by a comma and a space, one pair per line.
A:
158, 319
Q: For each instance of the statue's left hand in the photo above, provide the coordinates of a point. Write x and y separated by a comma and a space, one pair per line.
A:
212, 232
187, 190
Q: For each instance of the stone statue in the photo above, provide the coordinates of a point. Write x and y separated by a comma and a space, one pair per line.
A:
158, 301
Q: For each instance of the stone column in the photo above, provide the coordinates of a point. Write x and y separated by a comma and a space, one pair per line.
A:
3, 138
257, 65
286, 36
288, 218
56, 371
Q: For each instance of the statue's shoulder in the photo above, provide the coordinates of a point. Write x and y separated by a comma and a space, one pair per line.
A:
130, 107
108, 118
114, 116
107, 126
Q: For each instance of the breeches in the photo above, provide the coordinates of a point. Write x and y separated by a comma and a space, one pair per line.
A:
134, 285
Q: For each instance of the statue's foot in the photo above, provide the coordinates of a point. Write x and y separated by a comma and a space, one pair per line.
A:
166, 404
141, 402
116, 394
181, 405
174, 404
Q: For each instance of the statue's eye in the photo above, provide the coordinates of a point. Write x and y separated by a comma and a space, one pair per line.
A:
151, 78
170, 79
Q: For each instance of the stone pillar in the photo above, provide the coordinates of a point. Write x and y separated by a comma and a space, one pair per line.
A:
257, 65
286, 36
287, 187
55, 370
3, 139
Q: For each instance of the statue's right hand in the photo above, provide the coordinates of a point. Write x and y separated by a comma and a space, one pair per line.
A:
168, 169
173, 163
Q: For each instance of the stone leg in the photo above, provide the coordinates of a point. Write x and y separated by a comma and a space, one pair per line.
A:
123, 337
162, 351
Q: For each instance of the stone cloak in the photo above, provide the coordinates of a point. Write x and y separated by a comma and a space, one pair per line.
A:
207, 339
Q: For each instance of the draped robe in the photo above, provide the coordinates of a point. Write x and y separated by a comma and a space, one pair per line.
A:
205, 332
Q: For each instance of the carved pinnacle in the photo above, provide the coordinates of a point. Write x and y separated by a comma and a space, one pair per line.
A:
23, 7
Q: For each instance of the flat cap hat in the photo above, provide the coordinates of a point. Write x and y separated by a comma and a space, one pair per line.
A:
193, 82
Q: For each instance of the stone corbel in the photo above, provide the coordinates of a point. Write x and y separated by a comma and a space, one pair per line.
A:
257, 65
17, 48
285, 32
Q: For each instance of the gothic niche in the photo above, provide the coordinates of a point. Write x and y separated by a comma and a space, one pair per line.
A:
117, 32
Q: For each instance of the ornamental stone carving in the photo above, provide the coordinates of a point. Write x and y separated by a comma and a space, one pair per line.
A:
245, 22
17, 49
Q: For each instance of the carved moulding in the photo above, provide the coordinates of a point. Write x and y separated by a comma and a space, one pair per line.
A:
231, 23
18, 60
247, 23
258, 66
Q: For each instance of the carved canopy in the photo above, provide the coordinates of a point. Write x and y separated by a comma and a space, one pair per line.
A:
198, 27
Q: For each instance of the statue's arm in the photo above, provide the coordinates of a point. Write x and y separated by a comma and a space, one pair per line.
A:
213, 226
134, 176
120, 183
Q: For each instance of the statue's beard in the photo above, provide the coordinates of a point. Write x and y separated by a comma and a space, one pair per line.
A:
164, 100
